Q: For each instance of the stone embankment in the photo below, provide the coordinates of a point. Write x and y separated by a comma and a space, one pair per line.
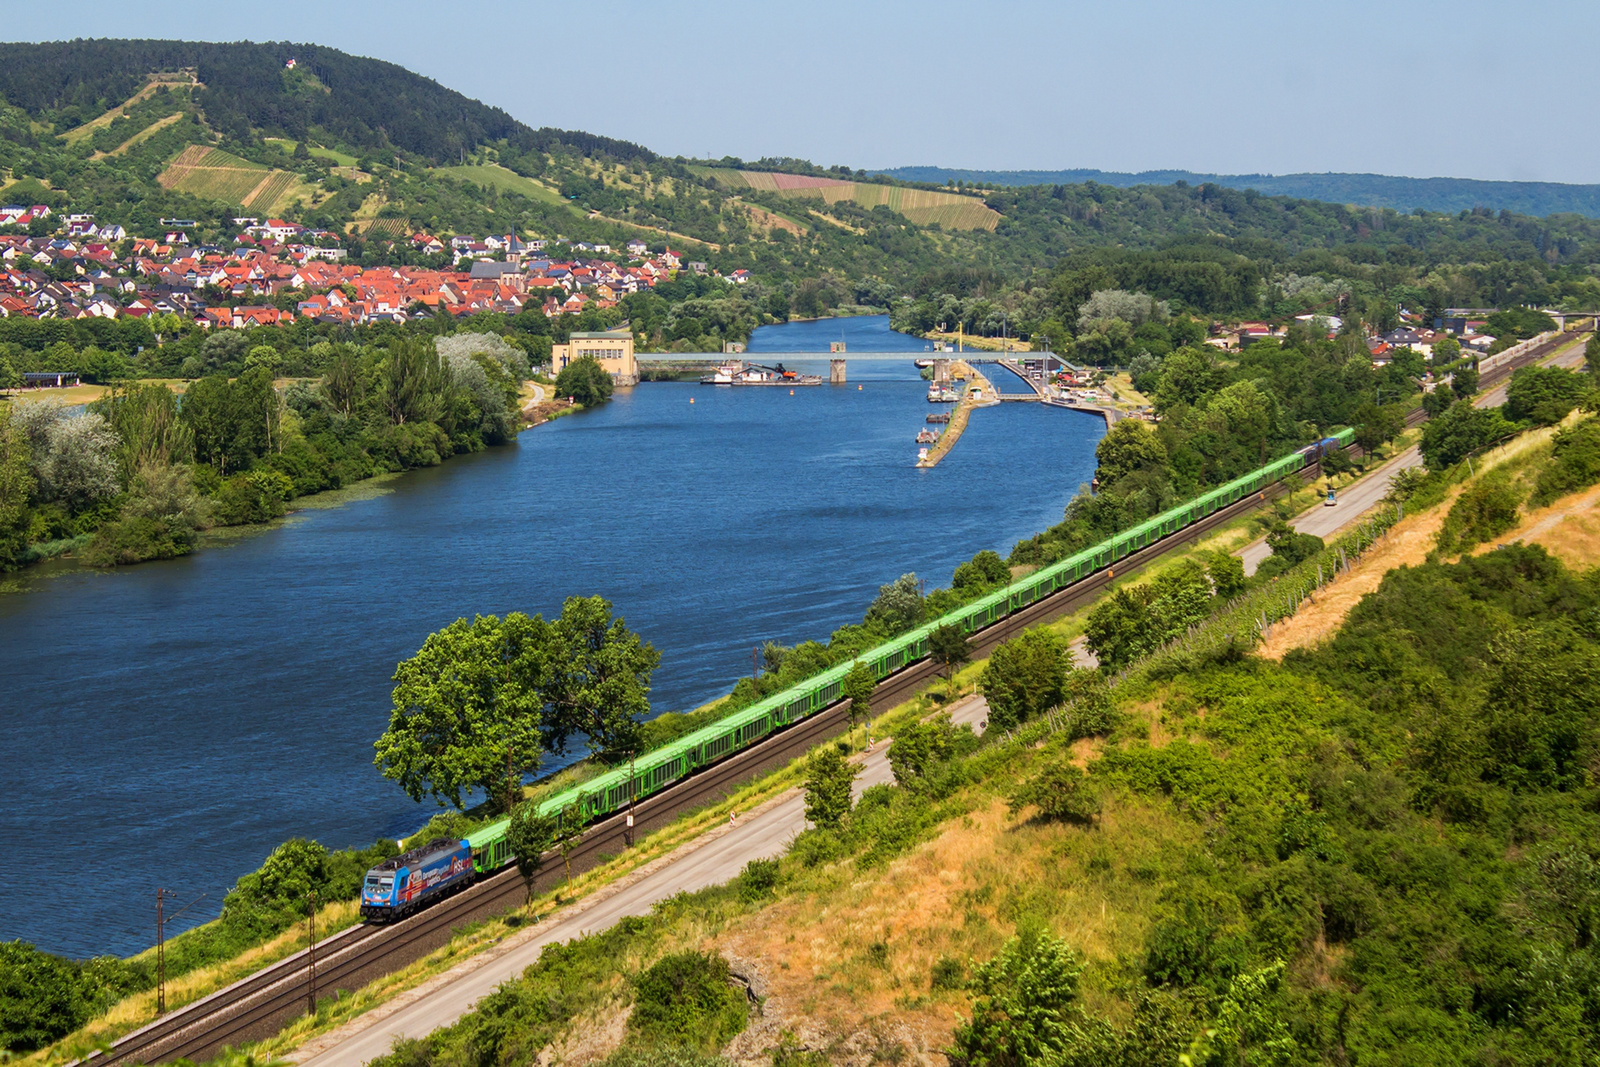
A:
979, 393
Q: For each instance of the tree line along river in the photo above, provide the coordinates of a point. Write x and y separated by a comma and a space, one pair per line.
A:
170, 723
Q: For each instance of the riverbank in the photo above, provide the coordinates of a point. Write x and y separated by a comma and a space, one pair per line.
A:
295, 630
979, 344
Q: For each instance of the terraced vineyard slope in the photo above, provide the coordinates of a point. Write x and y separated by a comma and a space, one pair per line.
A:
923, 207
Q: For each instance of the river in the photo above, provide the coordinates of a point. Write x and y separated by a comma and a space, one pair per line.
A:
169, 724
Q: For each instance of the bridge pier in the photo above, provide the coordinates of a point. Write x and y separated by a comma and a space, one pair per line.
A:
836, 371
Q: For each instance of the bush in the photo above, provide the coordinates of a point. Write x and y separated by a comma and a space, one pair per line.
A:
1574, 463
1481, 513
585, 381
947, 973
758, 879
687, 999
1061, 792
919, 748
1189, 948
255, 496
161, 519
1027, 1010
45, 997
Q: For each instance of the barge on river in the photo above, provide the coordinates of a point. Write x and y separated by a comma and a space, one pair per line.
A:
742, 373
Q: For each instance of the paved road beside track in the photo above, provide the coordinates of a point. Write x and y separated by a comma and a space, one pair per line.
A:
714, 859
1359, 497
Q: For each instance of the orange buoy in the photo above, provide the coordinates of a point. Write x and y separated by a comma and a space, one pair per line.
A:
791, 392
858, 388
691, 400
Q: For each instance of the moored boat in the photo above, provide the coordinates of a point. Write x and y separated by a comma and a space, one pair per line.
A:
740, 373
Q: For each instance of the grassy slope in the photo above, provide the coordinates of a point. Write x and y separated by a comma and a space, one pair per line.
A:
922, 207
506, 181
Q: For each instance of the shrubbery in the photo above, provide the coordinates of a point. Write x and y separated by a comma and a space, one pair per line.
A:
686, 1000
1574, 463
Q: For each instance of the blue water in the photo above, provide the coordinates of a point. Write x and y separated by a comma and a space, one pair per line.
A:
869, 333
169, 724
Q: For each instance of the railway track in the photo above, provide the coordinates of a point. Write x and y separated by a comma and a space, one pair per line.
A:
261, 1003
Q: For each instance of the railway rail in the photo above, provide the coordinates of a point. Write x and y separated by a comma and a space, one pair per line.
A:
260, 1004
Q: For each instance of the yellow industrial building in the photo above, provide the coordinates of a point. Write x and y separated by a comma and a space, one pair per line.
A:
612, 349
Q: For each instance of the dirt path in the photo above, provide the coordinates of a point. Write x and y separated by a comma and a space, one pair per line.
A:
1568, 529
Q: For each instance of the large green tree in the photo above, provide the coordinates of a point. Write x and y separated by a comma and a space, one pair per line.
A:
1461, 431
596, 679
468, 711
1024, 677
585, 381
1546, 395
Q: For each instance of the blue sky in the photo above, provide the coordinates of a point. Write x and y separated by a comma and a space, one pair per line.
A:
1466, 89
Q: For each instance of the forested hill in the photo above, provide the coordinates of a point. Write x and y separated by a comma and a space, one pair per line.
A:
365, 103
381, 161
1368, 190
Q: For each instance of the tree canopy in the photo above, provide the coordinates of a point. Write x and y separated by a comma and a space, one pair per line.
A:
481, 703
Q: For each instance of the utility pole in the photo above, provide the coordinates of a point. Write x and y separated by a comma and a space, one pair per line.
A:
162, 896
632, 796
311, 950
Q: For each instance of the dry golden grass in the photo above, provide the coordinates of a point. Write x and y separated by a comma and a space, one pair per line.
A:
73, 136
960, 896
1569, 529
1569, 524
923, 207
142, 136
770, 221
1406, 544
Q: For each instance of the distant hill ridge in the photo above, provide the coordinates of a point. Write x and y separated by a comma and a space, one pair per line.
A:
365, 103
1369, 190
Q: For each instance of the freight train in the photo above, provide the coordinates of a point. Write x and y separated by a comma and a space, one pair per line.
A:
655, 771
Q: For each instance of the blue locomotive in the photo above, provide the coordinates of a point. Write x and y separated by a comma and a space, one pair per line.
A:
397, 887
1322, 447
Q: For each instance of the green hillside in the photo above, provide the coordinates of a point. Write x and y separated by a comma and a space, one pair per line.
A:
137, 131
